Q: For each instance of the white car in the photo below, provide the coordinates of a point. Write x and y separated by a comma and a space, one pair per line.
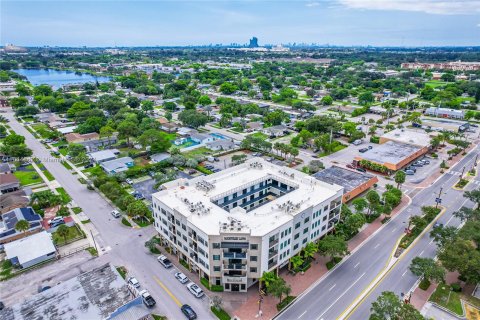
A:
134, 282
195, 290
55, 220
115, 214
129, 181
181, 277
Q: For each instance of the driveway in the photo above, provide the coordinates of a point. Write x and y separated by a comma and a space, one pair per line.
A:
146, 187
123, 246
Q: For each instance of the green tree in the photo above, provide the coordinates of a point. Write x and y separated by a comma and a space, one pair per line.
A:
137, 209
333, 246
267, 278
327, 101
192, 118
127, 129
389, 306
63, 232
155, 139
278, 288
13, 140
400, 177
22, 226
473, 196
296, 261
427, 269
373, 199
168, 116
310, 250
442, 235
204, 100
360, 204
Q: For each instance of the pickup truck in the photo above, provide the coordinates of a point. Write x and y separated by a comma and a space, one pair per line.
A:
147, 298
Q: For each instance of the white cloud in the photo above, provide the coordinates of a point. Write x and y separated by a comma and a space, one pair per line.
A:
446, 7
312, 4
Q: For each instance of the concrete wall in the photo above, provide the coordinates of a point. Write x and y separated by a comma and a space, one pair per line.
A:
38, 260
359, 190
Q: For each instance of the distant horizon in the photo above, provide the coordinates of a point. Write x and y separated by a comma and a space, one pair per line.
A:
126, 23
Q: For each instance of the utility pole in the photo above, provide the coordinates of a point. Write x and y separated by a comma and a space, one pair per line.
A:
463, 171
331, 135
438, 199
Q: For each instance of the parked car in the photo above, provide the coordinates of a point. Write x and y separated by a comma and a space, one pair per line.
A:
438, 225
55, 220
216, 159
115, 214
363, 150
188, 312
90, 165
181, 277
216, 170
357, 142
195, 290
41, 289
257, 154
164, 261
129, 181
409, 172
56, 224
134, 282
411, 168
370, 147
192, 171
417, 164
147, 298
209, 167
425, 161
361, 170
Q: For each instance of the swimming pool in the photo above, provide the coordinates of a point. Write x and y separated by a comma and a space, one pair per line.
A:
217, 136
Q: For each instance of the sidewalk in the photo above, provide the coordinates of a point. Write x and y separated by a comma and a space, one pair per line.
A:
299, 283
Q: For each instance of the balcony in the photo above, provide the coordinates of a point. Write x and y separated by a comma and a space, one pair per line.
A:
272, 253
272, 243
234, 267
272, 264
234, 255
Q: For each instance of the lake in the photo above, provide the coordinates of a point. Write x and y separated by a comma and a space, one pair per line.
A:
58, 78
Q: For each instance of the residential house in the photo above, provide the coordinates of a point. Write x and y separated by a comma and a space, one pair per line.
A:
158, 157
66, 130
255, 125
9, 219
202, 138
31, 250
8, 183
13, 200
117, 165
103, 155
276, 131
75, 137
169, 127
221, 145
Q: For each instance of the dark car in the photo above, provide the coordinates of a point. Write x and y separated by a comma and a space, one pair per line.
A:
90, 165
147, 298
361, 170
363, 150
2, 306
188, 312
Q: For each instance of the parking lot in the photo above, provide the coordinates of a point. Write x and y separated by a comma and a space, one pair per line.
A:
424, 172
145, 187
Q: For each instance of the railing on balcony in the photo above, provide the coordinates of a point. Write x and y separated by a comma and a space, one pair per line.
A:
272, 243
234, 255
272, 264
234, 267
272, 253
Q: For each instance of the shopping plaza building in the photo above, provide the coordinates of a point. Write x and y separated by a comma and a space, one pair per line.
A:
235, 224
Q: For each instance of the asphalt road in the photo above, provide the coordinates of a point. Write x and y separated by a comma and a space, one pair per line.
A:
331, 295
124, 246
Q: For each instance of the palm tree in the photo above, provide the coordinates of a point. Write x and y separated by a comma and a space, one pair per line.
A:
22, 226
268, 277
310, 250
63, 231
296, 262
279, 287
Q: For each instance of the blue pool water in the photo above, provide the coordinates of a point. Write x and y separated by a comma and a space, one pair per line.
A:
58, 78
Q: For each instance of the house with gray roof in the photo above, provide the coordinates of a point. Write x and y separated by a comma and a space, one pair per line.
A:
9, 219
31, 250
117, 165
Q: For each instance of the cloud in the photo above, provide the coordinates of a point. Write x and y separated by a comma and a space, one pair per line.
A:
445, 7
312, 4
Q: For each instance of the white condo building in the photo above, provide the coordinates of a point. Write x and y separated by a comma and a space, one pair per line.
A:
234, 225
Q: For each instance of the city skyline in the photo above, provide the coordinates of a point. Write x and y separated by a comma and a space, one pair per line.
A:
167, 23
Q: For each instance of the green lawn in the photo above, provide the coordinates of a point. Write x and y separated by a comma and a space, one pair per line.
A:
436, 83
77, 210
66, 165
28, 177
446, 298
202, 151
66, 198
336, 149
73, 233
259, 135
42, 129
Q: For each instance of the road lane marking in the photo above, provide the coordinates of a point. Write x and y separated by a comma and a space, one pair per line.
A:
332, 287
431, 241
355, 266
421, 253
167, 291
376, 246
344, 292
404, 273
394, 229
302, 314
383, 274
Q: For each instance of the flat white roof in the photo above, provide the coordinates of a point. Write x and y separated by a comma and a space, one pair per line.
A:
261, 220
410, 136
31, 247
66, 130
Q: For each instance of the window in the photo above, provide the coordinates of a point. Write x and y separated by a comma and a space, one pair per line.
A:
306, 220
297, 225
254, 247
253, 258
295, 237
253, 269
216, 268
326, 208
324, 218
216, 257
305, 230
295, 247
216, 245
305, 240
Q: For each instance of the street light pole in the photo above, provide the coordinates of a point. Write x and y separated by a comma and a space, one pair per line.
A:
438, 199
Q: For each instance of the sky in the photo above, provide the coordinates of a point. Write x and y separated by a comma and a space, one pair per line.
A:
198, 22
